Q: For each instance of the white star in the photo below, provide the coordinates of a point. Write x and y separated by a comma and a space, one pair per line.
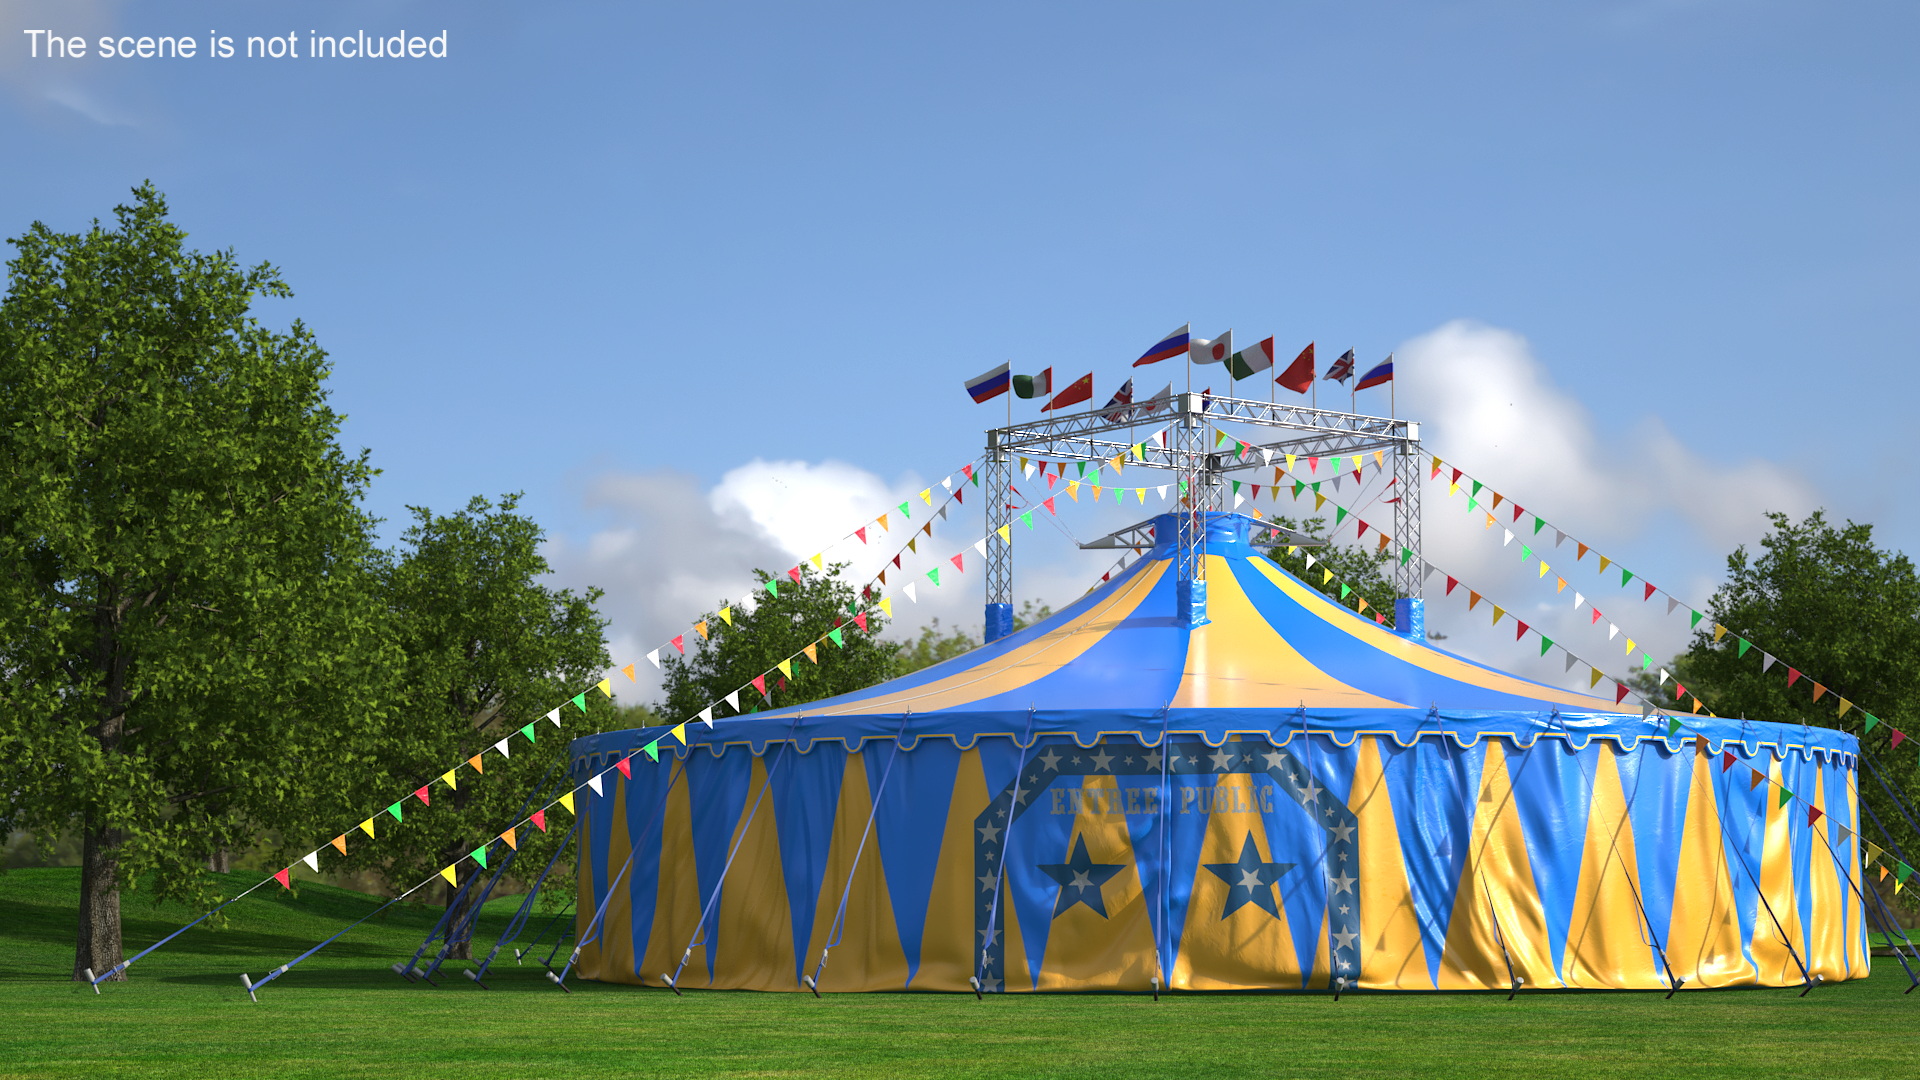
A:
1152, 758
1250, 879
1344, 910
1193, 761
1274, 758
989, 984
1222, 760
1311, 793
1103, 760
1342, 884
1345, 938
986, 882
1080, 881
988, 833
1050, 759
1344, 966
1019, 796
1343, 833
992, 934
1076, 759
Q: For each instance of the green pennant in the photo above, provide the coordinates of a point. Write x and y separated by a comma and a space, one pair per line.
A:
834, 635
1744, 646
1646, 661
1785, 795
1183, 488
976, 474
1673, 726
480, 856
1027, 519
773, 588
935, 575
652, 750
1626, 575
395, 811
1476, 488
1316, 486
1545, 644
1695, 620
579, 702
1903, 873
1083, 473
1298, 487
1339, 515
1526, 553
853, 606
528, 732
1538, 524
1872, 722
1471, 505
1344, 590
905, 512
1405, 555
1236, 487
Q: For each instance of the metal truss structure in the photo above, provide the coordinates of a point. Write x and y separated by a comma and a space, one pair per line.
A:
1132, 433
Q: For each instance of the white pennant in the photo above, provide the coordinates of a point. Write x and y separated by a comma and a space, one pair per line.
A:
1612, 631
1671, 604
1559, 538
1237, 500
1163, 490
1509, 538
1309, 560
749, 601
1578, 599
654, 658
1767, 661
1664, 676
980, 546
1571, 660
313, 860
594, 783
733, 700
908, 589
947, 482
502, 747
555, 717
707, 715
1266, 454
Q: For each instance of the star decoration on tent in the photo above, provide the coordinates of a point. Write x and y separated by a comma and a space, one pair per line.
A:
1080, 879
1250, 880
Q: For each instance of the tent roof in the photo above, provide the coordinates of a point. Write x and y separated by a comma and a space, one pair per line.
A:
1276, 655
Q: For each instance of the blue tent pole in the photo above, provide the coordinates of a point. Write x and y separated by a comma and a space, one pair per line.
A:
520, 918
812, 982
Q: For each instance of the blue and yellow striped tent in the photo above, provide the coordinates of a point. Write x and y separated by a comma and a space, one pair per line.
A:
1288, 797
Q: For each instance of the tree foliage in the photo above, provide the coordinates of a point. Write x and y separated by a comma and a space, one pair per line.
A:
1367, 570
188, 618
783, 623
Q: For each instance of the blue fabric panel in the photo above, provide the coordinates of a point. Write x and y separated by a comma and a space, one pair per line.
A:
717, 793
1033, 840
1553, 793
805, 794
1434, 786
1296, 837
1802, 773
1743, 835
1186, 839
646, 802
599, 836
911, 823
1148, 832
1657, 788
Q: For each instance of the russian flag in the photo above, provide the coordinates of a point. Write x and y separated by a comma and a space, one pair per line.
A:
1174, 344
1376, 375
991, 385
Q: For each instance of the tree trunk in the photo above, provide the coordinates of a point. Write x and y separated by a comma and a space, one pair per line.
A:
97, 945
221, 861
459, 911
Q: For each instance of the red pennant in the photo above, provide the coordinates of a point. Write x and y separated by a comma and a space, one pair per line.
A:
680, 642
1362, 531
1650, 591
795, 575
1726, 760
1518, 510
1451, 582
959, 496
626, 769
783, 683
1313, 464
1049, 504
1813, 815
1520, 630
967, 471
1898, 736
1792, 676
422, 796
760, 684
896, 562
860, 620
1256, 492
1620, 693
1679, 691
1456, 476
540, 819
861, 532
281, 877
1596, 617
1379, 618
956, 562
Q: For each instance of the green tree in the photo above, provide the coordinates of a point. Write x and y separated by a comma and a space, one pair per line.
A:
1366, 569
489, 651
780, 626
188, 619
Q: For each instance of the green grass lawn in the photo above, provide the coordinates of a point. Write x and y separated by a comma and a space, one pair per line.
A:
344, 1014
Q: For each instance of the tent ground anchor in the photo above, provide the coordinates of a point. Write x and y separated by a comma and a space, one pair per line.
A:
248, 983
1339, 984
974, 981
1681, 981
671, 983
1812, 981
91, 979
405, 971
476, 978
1156, 988
555, 980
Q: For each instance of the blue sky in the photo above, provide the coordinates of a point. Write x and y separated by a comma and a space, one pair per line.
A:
614, 255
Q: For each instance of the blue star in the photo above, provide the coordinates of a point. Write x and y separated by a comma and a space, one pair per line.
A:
1250, 881
1080, 879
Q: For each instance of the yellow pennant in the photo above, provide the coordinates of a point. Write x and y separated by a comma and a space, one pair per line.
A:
1319, 500
508, 837
1873, 852
448, 778
726, 615
1844, 706
1595, 680
811, 654
475, 762
1141, 494
1604, 561
886, 605
883, 523
566, 800
786, 667
606, 685
926, 496
447, 872
819, 560
1326, 576
1629, 646
1498, 613
1002, 530
1379, 460
680, 732
1453, 489
340, 843
1719, 631
367, 826
913, 545
1544, 568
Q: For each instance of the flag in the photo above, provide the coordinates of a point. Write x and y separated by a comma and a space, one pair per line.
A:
990, 385
1081, 390
1167, 347
1251, 360
1378, 374
1122, 396
1157, 402
1342, 369
1033, 386
1299, 375
1216, 351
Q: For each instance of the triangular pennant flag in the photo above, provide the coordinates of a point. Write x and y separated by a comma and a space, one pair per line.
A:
1545, 644
396, 812
367, 826
1767, 661
566, 800
1673, 727
834, 635
625, 766
422, 794
1604, 562
1813, 815
1754, 780
1726, 760
1719, 632
312, 859
1473, 599
475, 762
652, 750
1595, 680
340, 843
812, 651
479, 855
501, 748
1792, 676
760, 681
680, 732
448, 873
580, 700
1619, 693
539, 819
528, 732
1844, 706
553, 717
701, 629
511, 840
1819, 691
594, 783
908, 588
1871, 721
447, 778
934, 576
726, 616
654, 658
281, 877
1898, 736
957, 565
1785, 795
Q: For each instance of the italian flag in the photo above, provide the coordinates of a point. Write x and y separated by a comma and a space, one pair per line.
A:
1033, 386
1245, 363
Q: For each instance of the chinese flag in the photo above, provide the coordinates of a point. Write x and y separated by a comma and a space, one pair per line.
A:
1299, 375
1081, 390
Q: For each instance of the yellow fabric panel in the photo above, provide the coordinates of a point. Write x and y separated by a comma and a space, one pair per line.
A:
1607, 942
753, 943
1496, 902
606, 958
1413, 652
1085, 951
1859, 964
677, 899
949, 948
1827, 943
1703, 937
1248, 948
868, 956
1770, 952
1239, 661
1018, 667
1391, 954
